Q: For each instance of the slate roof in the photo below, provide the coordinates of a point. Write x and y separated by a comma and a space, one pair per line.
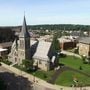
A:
24, 32
85, 40
42, 50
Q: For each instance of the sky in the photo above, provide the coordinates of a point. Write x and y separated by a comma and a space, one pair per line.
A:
44, 12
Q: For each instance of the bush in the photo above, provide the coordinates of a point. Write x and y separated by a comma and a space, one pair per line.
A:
80, 68
45, 76
6, 62
62, 55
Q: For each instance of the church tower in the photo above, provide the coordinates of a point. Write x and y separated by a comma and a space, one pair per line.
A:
24, 43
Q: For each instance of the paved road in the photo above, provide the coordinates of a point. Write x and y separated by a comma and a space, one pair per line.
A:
14, 82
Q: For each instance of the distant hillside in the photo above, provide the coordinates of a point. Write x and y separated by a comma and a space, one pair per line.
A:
59, 27
50, 27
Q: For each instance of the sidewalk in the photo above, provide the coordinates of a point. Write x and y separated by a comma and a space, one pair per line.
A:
70, 53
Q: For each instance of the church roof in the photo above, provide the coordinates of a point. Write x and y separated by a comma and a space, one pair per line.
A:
42, 50
24, 32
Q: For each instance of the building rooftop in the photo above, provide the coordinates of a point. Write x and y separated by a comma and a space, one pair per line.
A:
5, 45
42, 50
85, 40
62, 40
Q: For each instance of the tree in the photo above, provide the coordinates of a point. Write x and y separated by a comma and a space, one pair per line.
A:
6, 34
55, 44
28, 64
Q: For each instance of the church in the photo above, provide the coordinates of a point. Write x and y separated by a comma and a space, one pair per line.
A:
41, 52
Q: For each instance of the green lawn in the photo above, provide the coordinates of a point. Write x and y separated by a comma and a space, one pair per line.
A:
66, 78
44, 75
75, 63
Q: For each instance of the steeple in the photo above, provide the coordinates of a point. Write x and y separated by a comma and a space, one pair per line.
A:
24, 32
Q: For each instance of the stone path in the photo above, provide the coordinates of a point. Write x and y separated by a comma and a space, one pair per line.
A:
56, 75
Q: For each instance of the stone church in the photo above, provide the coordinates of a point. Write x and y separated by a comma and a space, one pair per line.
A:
40, 51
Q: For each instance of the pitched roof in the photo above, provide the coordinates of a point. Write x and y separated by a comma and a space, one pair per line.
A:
85, 40
42, 50
5, 44
24, 32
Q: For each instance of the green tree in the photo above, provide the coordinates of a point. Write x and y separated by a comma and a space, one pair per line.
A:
28, 64
55, 44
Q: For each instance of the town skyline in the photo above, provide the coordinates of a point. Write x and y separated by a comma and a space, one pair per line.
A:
44, 12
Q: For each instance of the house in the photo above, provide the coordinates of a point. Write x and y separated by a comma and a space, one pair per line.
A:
41, 52
84, 46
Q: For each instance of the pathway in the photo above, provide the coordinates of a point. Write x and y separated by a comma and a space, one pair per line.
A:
70, 53
56, 75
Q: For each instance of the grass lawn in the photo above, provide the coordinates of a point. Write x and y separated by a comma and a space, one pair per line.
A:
66, 79
43, 74
75, 63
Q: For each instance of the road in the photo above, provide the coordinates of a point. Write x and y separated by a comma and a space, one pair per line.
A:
14, 82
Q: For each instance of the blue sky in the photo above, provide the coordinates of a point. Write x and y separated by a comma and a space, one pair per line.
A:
44, 12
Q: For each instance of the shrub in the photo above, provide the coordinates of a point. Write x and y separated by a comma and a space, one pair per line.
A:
80, 68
